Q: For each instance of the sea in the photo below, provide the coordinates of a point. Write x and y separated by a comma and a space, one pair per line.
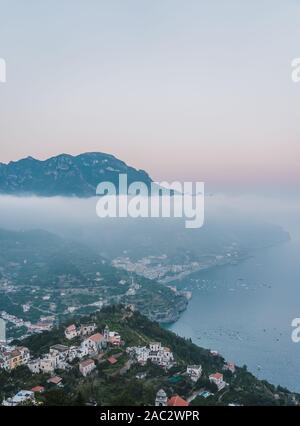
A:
245, 310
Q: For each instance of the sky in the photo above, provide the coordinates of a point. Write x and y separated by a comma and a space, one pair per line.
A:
187, 90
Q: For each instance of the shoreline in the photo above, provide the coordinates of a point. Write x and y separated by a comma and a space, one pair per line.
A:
258, 366
211, 267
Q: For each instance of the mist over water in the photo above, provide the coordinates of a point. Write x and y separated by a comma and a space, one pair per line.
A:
76, 218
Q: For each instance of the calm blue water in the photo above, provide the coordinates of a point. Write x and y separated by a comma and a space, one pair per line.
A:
245, 311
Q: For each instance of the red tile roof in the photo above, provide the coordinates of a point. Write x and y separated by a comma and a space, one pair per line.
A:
38, 389
177, 401
112, 360
96, 337
55, 380
217, 376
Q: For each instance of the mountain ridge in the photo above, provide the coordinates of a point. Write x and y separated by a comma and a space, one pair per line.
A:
65, 175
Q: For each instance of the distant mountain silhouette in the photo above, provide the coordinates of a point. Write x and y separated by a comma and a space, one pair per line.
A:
65, 175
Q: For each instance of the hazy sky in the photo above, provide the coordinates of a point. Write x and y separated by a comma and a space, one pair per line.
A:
184, 89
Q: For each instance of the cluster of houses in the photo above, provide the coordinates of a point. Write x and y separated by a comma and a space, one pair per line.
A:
18, 322
60, 356
12, 357
45, 323
194, 372
88, 345
218, 379
83, 330
155, 353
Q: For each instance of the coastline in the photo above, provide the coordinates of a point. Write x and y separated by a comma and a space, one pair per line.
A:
238, 260
258, 329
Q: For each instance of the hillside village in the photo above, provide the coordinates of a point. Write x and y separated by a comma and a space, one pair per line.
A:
118, 357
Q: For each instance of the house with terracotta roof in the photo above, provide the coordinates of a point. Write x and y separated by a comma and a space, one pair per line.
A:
86, 367
38, 389
56, 380
71, 332
217, 379
177, 401
94, 343
112, 360
112, 337
12, 359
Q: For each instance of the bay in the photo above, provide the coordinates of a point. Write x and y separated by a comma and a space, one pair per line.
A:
244, 311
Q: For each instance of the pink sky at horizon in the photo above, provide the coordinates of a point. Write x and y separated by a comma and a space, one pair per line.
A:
196, 92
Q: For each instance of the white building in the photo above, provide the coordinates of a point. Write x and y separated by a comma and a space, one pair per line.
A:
21, 397
47, 364
94, 343
34, 366
141, 354
156, 353
86, 367
71, 332
13, 357
112, 337
87, 329
161, 399
217, 378
56, 359
194, 372
155, 346
76, 352
59, 353
5, 360
163, 356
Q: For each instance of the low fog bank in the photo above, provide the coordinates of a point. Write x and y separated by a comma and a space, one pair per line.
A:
246, 219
